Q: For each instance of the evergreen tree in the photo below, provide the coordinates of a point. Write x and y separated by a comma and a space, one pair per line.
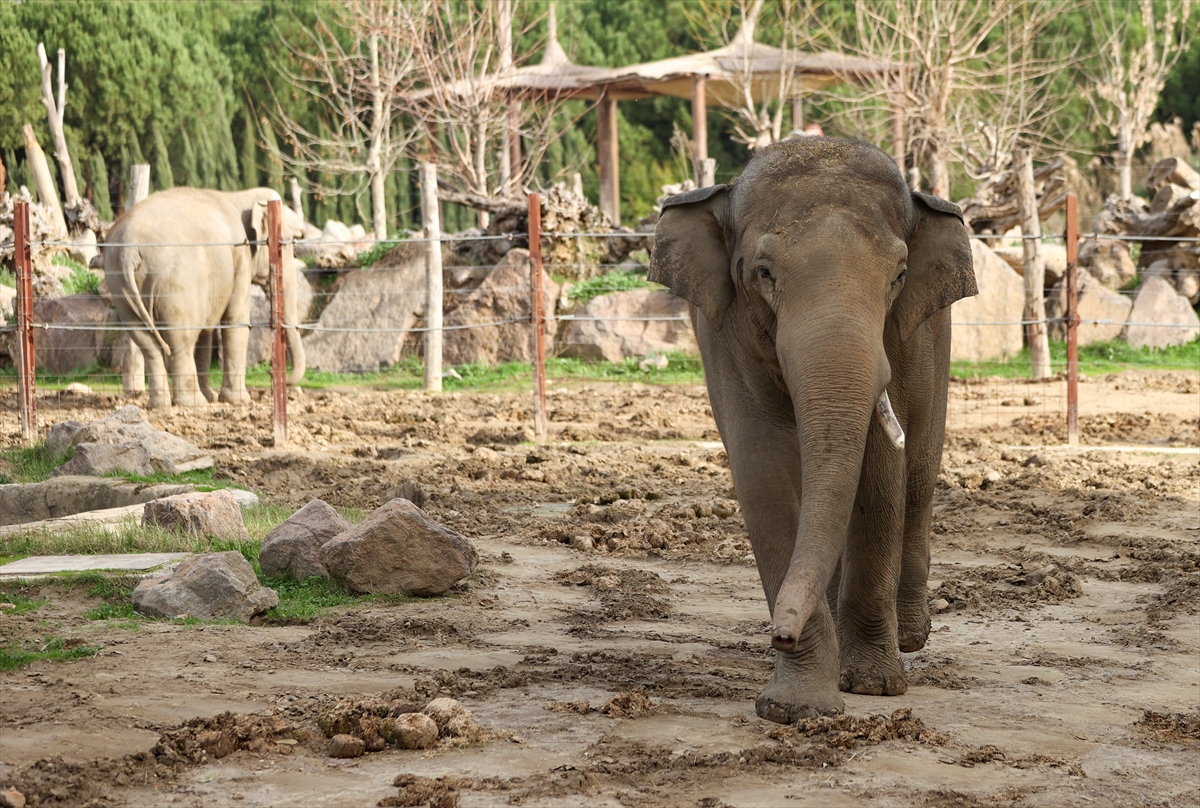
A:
98, 183
161, 175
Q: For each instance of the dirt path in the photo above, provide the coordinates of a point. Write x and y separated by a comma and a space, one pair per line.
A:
1066, 584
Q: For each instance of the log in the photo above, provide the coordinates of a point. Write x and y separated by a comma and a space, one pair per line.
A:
54, 116
1174, 171
43, 181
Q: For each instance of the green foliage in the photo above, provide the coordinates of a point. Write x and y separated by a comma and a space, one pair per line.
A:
301, 601
7, 278
616, 281
28, 464
81, 281
55, 648
1094, 358
21, 603
376, 251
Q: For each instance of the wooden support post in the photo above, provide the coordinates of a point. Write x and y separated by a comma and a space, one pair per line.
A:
431, 223
1072, 321
1036, 334
43, 181
610, 172
699, 127
278, 345
537, 315
25, 364
139, 184
708, 173
898, 144
797, 113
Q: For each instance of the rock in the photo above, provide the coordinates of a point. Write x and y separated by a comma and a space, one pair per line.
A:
293, 549
583, 543
939, 606
408, 490
11, 798
1055, 258
98, 459
8, 304
346, 746
168, 453
1108, 261
83, 249
259, 347
384, 302
245, 499
485, 455
1161, 317
410, 731
21, 503
59, 351
503, 296
1158, 268
621, 326
988, 326
1187, 284
213, 513
453, 720
399, 550
61, 437
211, 586
1102, 312
78, 389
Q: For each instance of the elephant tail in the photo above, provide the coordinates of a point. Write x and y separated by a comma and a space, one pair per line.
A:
131, 259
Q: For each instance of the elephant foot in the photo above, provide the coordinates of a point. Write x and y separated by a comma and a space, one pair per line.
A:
209, 395
871, 673
802, 686
159, 401
191, 399
235, 397
913, 626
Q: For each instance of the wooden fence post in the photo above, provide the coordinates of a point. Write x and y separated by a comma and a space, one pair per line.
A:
25, 364
139, 184
431, 223
537, 315
278, 345
1072, 321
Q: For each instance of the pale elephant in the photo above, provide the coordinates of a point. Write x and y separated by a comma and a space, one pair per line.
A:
179, 267
821, 288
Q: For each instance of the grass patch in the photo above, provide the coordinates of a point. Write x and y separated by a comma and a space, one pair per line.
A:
81, 281
29, 464
22, 604
618, 280
7, 278
1094, 359
18, 656
112, 611
203, 479
376, 251
301, 601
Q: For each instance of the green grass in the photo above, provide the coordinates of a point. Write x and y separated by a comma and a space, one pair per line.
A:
22, 602
56, 648
1094, 359
617, 280
7, 278
81, 281
301, 601
375, 252
29, 464
203, 479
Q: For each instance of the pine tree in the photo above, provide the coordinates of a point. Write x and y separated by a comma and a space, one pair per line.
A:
101, 197
162, 176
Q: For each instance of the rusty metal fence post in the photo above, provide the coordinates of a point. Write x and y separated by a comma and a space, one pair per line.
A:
25, 353
537, 315
278, 345
1072, 321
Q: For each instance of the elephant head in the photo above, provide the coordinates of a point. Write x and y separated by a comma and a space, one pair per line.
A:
292, 227
818, 261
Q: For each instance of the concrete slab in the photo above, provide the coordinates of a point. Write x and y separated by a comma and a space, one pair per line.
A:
132, 562
109, 518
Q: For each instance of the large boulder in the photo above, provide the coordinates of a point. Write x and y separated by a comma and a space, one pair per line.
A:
259, 348
8, 303
504, 296
168, 454
215, 514
21, 503
97, 459
1161, 317
81, 339
293, 549
988, 326
370, 314
638, 322
399, 550
1102, 312
213, 586
1108, 261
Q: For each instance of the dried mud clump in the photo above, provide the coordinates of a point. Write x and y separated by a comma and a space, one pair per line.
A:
202, 738
416, 792
987, 588
1170, 727
851, 731
453, 719
628, 705
624, 594
59, 782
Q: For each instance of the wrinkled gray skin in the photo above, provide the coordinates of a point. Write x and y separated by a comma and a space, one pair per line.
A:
176, 295
818, 282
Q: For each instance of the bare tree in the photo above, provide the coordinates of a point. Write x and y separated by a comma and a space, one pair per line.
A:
359, 89
1125, 86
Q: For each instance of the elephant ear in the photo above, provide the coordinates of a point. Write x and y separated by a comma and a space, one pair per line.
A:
258, 232
691, 253
940, 269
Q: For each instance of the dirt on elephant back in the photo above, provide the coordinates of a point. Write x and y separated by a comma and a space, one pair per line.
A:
614, 638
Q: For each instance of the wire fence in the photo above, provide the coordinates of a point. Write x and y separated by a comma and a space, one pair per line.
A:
393, 312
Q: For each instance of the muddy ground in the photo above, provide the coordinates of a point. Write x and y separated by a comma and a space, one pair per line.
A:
1062, 668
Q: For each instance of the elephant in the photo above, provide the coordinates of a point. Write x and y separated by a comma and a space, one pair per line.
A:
820, 288
179, 266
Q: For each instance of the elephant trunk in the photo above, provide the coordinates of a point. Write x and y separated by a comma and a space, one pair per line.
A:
835, 392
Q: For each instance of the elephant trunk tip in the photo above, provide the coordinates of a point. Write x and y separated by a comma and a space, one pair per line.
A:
784, 639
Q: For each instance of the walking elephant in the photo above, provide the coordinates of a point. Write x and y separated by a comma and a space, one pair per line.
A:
180, 265
820, 288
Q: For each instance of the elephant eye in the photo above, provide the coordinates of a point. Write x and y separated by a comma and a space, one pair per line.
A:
764, 272
900, 278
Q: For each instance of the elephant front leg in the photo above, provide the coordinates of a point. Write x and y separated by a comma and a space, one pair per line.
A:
870, 575
203, 356
234, 344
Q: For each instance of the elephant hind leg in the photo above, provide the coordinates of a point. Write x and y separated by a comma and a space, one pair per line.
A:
204, 365
157, 379
184, 387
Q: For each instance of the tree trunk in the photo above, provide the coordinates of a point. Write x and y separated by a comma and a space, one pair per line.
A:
374, 163
481, 171
3, 184
43, 182
54, 115
431, 225
1124, 157
297, 203
139, 184
939, 174
1035, 266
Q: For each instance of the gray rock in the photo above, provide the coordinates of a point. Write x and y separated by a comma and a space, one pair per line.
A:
213, 513
293, 549
1108, 261
212, 586
83, 344
21, 503
383, 302
8, 303
634, 323
1161, 317
62, 437
1102, 312
988, 326
399, 550
97, 459
1187, 283
168, 453
245, 499
503, 296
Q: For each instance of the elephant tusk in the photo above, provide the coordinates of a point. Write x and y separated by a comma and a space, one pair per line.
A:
887, 417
